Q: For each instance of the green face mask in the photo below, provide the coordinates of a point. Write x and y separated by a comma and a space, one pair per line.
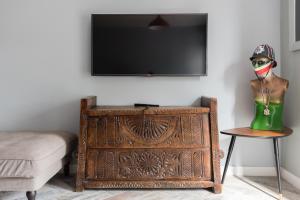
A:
261, 66
259, 63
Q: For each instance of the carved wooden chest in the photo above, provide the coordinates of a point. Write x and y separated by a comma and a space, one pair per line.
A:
148, 147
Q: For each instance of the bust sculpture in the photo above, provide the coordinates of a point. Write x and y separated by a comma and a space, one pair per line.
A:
268, 90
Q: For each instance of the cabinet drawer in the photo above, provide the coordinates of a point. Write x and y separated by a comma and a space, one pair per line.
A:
148, 164
190, 130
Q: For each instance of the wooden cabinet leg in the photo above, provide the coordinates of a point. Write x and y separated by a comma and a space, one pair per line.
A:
79, 186
217, 189
79, 189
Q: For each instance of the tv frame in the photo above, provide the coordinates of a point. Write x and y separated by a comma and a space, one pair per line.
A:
150, 74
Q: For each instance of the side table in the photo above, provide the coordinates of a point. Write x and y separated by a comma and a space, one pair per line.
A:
248, 132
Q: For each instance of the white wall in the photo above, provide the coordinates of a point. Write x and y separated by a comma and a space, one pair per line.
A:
291, 71
45, 64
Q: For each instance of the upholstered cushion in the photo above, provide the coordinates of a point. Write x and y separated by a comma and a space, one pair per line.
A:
31, 184
26, 154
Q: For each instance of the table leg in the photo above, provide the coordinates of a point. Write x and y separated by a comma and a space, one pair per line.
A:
228, 157
276, 151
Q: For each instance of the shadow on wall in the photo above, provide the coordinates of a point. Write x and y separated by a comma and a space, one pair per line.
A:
292, 96
197, 102
61, 116
237, 78
243, 101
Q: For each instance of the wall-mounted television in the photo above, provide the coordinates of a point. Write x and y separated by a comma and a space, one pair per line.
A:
149, 45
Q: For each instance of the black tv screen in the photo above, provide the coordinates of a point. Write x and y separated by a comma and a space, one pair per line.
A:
149, 45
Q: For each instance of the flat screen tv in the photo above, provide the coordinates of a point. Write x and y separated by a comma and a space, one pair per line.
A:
149, 45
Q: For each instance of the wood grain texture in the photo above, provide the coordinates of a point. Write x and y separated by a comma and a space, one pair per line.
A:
161, 147
130, 110
85, 104
248, 132
217, 154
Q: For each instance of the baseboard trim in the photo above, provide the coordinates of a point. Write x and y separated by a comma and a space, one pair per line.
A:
291, 178
264, 171
251, 171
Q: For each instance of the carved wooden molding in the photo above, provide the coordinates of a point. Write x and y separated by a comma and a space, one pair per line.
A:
140, 131
147, 129
212, 104
148, 184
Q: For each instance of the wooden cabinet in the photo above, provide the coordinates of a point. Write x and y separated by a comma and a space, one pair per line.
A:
148, 147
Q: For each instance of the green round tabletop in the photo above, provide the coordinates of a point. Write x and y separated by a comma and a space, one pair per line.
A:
248, 132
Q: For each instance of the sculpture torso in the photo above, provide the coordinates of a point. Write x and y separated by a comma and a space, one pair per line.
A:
269, 91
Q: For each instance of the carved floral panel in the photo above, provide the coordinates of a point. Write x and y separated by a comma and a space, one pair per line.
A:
149, 164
